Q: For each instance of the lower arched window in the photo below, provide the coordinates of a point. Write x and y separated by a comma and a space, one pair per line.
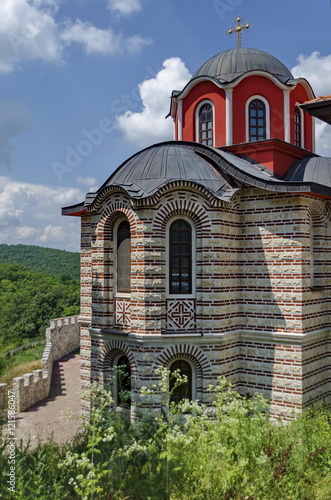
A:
184, 390
123, 382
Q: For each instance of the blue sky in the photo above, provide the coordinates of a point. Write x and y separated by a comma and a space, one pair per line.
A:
84, 84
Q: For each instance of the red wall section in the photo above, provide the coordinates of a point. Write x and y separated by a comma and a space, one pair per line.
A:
299, 95
257, 85
204, 90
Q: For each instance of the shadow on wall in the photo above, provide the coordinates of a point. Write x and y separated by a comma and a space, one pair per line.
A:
271, 294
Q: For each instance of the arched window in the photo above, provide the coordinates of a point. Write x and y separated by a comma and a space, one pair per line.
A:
183, 391
123, 382
180, 257
297, 127
123, 257
206, 128
257, 122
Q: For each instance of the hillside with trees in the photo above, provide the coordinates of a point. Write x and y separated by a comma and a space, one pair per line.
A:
40, 259
29, 300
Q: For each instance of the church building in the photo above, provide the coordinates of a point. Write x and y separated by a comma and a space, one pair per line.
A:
211, 253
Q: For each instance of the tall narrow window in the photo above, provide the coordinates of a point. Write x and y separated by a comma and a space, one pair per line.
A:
123, 257
123, 382
257, 120
297, 128
206, 125
180, 279
184, 390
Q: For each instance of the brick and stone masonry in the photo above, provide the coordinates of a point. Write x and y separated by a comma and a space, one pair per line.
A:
255, 317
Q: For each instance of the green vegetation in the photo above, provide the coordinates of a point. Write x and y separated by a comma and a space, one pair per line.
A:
24, 361
29, 300
183, 455
43, 260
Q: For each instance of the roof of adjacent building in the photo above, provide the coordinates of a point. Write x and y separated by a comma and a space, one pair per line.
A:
219, 173
319, 107
231, 64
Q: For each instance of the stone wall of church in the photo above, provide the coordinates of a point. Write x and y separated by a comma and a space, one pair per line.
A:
254, 314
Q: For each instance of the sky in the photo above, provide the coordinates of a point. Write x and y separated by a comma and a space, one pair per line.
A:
84, 84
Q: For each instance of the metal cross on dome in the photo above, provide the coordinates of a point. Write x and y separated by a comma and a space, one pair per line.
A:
238, 29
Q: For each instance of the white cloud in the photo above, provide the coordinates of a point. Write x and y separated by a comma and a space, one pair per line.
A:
87, 181
31, 214
124, 7
317, 70
96, 40
149, 125
14, 120
93, 39
29, 29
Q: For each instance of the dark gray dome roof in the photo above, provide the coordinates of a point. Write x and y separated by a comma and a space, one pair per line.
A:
316, 169
147, 171
231, 64
220, 172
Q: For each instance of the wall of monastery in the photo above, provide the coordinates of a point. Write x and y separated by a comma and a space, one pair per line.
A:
253, 317
62, 337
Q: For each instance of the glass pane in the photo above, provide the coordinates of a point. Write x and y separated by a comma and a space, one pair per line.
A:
184, 390
123, 382
203, 126
123, 257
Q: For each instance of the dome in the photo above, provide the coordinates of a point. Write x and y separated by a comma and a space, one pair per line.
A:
147, 171
231, 64
316, 169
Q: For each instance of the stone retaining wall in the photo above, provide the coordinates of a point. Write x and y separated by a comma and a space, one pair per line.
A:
62, 337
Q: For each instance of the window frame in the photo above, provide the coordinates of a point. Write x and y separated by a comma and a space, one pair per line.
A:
192, 293
117, 292
197, 121
302, 130
267, 117
115, 382
193, 376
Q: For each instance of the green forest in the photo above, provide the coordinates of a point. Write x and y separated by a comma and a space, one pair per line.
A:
36, 285
42, 260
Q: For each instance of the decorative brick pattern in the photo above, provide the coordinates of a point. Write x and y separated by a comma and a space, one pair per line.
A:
122, 312
180, 315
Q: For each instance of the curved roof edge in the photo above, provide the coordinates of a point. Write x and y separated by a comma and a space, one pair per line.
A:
242, 172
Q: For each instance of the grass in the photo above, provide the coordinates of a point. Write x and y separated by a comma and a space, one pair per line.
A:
21, 363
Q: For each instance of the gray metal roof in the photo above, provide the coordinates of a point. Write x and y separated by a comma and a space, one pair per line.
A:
316, 169
231, 64
220, 172
145, 172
